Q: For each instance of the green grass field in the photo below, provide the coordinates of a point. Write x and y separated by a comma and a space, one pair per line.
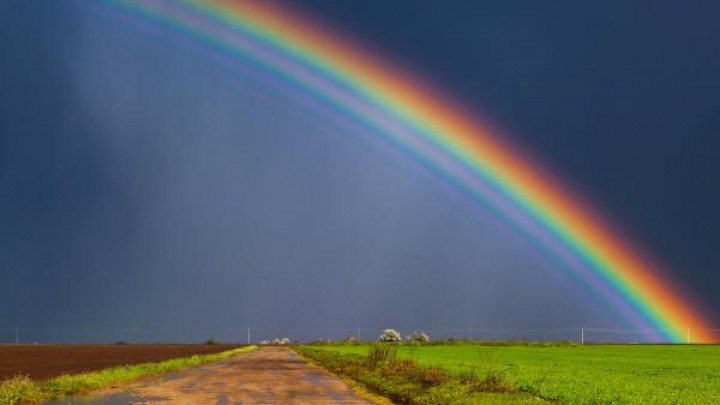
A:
577, 374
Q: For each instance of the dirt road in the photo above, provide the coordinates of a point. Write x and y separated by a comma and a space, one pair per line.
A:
270, 375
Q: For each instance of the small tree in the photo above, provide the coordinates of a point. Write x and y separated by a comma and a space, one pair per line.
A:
283, 341
420, 337
390, 335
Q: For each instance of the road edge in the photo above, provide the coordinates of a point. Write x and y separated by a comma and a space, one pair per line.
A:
357, 387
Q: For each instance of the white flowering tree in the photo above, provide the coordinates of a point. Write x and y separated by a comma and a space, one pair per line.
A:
390, 335
283, 341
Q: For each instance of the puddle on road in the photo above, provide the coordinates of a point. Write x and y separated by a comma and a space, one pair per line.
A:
313, 377
222, 399
121, 398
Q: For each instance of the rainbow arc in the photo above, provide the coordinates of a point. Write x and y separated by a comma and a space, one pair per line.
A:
389, 103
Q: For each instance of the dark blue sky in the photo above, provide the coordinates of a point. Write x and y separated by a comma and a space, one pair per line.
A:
146, 187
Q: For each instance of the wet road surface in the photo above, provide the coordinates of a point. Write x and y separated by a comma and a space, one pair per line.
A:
269, 375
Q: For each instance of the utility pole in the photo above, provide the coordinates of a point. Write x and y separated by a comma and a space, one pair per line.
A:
358, 335
248, 335
582, 335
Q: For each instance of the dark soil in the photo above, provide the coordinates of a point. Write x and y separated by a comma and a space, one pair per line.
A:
47, 361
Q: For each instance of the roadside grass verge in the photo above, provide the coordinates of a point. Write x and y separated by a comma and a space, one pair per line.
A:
404, 381
23, 390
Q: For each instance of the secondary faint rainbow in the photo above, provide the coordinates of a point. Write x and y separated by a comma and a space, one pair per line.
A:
428, 124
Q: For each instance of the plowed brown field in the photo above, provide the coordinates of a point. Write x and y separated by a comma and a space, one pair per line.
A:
46, 361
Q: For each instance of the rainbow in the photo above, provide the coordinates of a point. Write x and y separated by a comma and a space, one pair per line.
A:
387, 102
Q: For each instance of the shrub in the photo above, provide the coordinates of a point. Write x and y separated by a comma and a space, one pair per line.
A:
390, 335
419, 337
19, 389
380, 354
